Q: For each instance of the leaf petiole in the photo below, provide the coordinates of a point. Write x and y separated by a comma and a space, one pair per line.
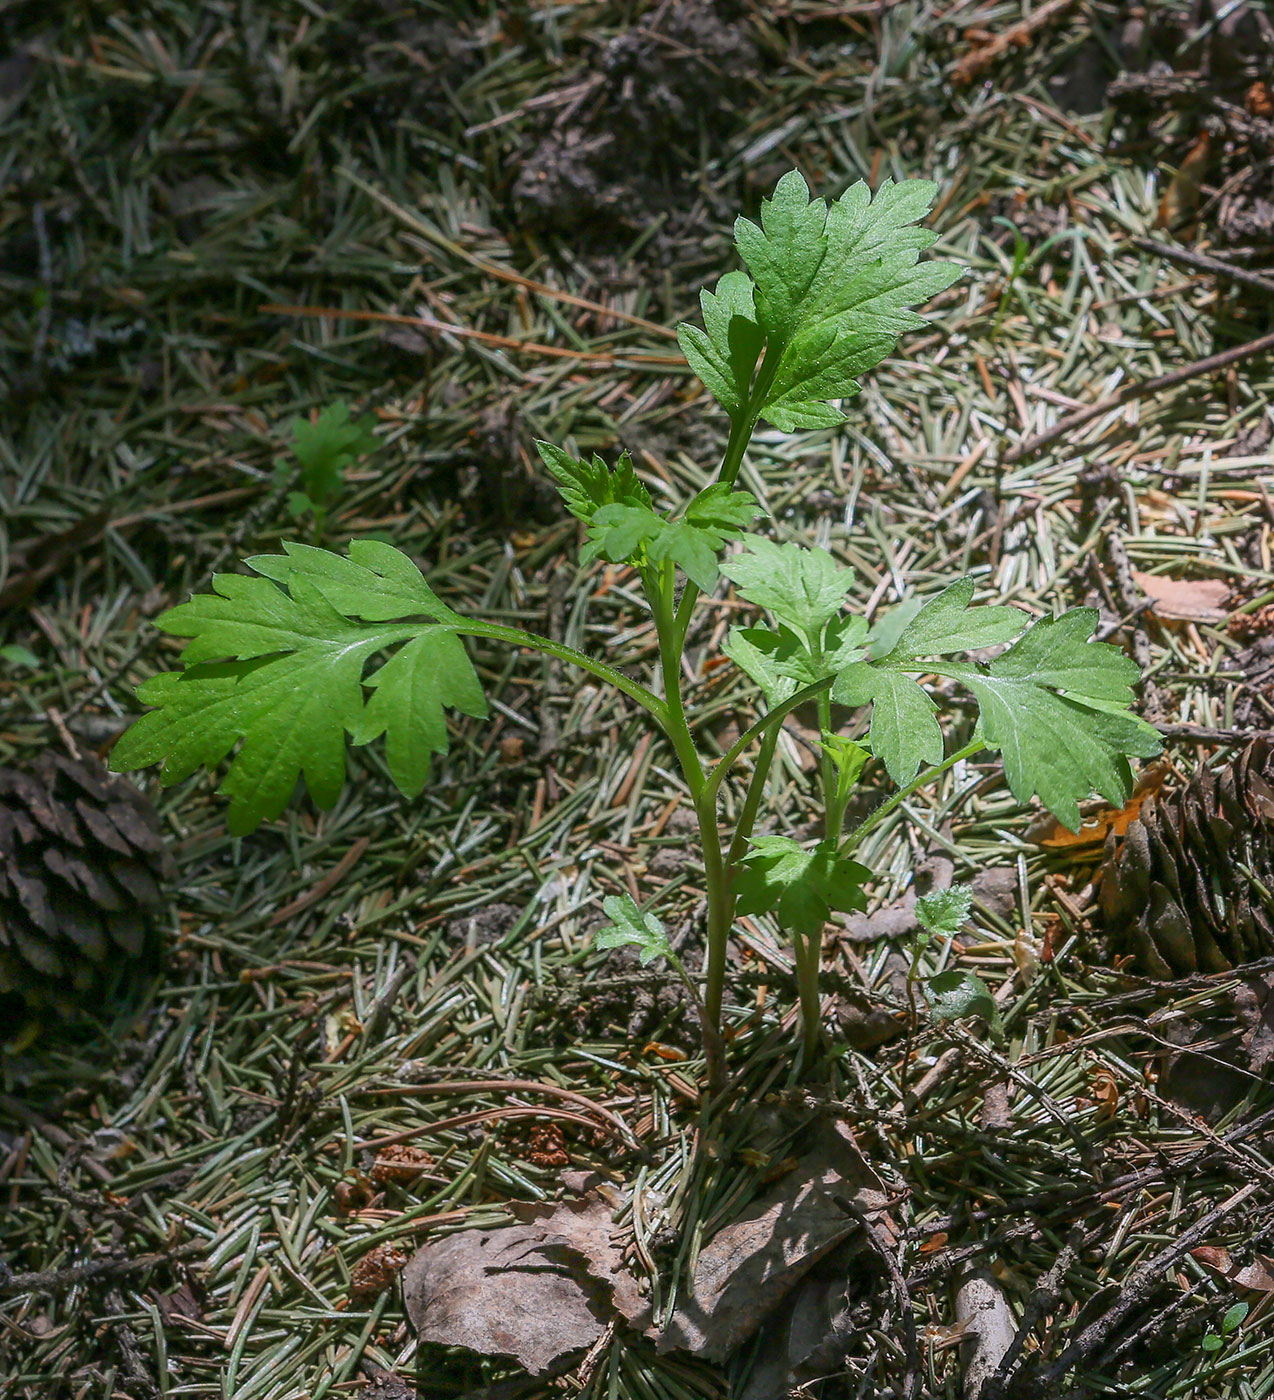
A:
768, 721
516, 636
855, 837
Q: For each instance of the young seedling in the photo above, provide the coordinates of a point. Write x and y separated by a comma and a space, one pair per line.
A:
276, 669
324, 450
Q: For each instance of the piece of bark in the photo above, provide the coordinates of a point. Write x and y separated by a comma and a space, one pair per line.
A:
988, 1325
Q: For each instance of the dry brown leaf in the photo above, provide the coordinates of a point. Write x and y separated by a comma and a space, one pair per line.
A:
584, 1226
1180, 202
537, 1291
749, 1267
1184, 599
1256, 1277
494, 1292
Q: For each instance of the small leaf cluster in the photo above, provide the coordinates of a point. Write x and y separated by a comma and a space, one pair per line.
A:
324, 450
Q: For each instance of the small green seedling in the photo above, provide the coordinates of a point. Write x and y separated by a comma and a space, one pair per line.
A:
1230, 1323
276, 669
325, 450
955, 993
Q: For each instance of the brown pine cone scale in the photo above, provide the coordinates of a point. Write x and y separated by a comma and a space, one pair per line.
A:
82, 870
1188, 889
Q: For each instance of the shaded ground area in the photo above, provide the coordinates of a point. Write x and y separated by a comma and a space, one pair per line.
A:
478, 223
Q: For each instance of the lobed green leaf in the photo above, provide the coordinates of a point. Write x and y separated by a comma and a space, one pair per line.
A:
945, 912
630, 928
587, 486
636, 534
1055, 706
274, 666
802, 887
802, 588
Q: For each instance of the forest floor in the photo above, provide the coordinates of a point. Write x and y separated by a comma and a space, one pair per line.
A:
384, 1023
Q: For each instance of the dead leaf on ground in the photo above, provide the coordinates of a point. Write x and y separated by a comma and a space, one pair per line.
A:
1051, 834
749, 1267
808, 1334
583, 1227
1179, 206
1184, 599
1256, 1277
537, 1291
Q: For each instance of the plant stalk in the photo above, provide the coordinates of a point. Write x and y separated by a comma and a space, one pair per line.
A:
855, 837
515, 636
752, 798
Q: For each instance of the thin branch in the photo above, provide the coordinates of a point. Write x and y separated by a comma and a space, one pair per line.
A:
1130, 393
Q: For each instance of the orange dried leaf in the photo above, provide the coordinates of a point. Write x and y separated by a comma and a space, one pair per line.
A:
1184, 599
1180, 202
1052, 835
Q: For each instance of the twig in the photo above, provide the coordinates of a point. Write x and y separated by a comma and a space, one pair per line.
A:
1204, 263
1130, 393
52, 1133
51, 1280
512, 1086
500, 342
1133, 1292
1016, 36
379, 1014
989, 1328
1201, 734
1043, 1299
897, 1287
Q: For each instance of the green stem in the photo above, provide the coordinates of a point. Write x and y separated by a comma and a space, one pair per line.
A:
659, 594
855, 837
752, 799
833, 812
741, 429
515, 636
768, 721
740, 434
716, 883
808, 957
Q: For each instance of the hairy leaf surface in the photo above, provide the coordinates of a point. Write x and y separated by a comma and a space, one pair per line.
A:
724, 353
587, 486
275, 664
904, 730
804, 588
947, 623
802, 887
630, 928
1055, 705
636, 534
828, 296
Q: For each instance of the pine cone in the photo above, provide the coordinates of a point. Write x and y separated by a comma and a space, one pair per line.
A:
1184, 889
82, 864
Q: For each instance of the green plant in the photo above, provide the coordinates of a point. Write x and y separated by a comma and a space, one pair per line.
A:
324, 450
276, 662
1234, 1318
